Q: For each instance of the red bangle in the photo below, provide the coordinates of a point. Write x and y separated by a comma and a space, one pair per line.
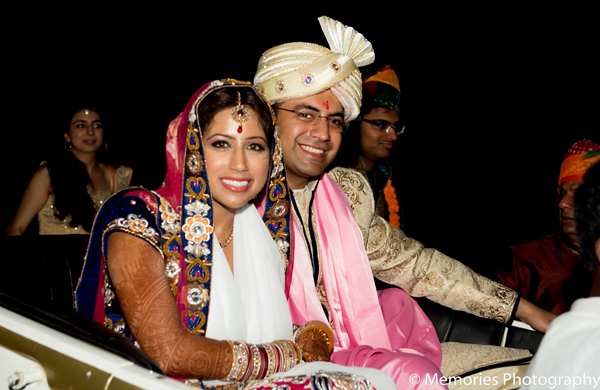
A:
264, 358
254, 366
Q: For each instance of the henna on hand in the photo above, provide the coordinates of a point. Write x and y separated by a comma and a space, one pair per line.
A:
313, 344
137, 271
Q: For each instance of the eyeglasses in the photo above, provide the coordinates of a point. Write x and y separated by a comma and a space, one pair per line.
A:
385, 126
334, 124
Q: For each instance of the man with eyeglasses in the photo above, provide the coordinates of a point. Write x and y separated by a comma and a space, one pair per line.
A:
370, 139
337, 242
315, 93
309, 146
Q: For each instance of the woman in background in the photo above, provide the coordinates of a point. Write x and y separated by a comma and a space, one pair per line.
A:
67, 191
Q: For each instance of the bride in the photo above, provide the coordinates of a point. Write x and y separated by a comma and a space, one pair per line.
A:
191, 274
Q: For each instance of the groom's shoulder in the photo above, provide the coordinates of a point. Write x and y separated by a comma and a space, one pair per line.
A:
356, 188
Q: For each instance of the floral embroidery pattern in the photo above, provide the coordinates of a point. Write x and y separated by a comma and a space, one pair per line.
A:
197, 229
196, 216
330, 380
198, 296
137, 224
277, 156
171, 242
278, 203
402, 261
197, 208
170, 219
194, 162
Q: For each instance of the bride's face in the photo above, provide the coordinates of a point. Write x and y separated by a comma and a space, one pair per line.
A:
237, 164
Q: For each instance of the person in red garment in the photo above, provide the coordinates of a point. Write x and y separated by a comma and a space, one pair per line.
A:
568, 355
549, 272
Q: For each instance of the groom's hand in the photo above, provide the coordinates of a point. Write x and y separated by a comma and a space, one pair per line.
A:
313, 344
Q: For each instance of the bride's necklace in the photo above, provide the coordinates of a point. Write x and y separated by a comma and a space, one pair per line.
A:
223, 245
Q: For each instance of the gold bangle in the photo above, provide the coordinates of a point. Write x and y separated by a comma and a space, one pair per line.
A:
293, 351
235, 362
271, 360
245, 352
256, 360
281, 352
298, 353
286, 353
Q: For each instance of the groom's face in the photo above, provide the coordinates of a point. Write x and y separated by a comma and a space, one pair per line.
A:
308, 148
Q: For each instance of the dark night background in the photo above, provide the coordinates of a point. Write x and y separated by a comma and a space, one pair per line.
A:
493, 97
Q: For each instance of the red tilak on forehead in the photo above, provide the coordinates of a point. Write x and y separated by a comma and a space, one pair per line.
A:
327, 104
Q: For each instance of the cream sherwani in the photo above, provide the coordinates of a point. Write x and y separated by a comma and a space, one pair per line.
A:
422, 272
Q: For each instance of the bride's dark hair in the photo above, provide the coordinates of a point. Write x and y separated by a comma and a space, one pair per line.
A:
228, 98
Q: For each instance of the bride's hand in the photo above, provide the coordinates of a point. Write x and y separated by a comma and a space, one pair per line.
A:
314, 346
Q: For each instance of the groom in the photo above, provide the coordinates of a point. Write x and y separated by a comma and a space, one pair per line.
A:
313, 90
337, 241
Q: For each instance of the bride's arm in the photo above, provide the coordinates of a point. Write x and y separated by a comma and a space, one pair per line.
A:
138, 275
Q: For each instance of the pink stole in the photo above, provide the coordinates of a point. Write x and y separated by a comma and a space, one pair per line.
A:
386, 331
347, 276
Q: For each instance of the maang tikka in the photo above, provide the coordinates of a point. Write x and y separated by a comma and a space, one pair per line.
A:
239, 113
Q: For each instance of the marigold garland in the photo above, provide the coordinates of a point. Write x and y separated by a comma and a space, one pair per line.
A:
391, 199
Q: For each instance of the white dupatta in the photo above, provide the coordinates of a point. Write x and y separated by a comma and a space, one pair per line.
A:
250, 304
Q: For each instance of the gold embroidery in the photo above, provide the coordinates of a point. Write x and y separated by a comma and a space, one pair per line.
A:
420, 271
460, 358
357, 190
50, 224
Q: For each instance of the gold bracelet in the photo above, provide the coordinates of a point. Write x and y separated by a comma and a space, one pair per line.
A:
256, 360
285, 354
250, 361
235, 362
245, 352
292, 357
297, 351
271, 360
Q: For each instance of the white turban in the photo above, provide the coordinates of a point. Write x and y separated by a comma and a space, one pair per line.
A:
295, 70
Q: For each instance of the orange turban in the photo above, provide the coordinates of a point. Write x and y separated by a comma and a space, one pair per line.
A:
579, 158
